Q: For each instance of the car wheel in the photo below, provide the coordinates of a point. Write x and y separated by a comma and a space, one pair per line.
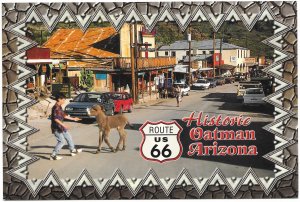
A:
130, 109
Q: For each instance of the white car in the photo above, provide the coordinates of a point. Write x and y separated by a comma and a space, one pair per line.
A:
201, 84
243, 86
184, 88
254, 96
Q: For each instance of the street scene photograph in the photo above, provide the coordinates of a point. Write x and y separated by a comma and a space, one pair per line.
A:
97, 88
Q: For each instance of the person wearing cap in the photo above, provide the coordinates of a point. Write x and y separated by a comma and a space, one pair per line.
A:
60, 129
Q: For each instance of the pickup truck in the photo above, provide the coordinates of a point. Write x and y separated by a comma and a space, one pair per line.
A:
253, 96
242, 86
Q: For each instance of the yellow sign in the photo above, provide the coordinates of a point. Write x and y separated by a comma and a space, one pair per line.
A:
250, 60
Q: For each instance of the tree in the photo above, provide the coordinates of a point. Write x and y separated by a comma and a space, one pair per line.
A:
86, 80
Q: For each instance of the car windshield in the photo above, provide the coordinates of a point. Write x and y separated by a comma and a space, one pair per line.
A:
117, 96
254, 91
250, 86
182, 85
201, 81
89, 97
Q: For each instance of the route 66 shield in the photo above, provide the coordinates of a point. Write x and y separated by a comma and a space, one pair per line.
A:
161, 141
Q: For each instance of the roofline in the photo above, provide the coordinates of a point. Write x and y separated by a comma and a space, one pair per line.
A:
206, 49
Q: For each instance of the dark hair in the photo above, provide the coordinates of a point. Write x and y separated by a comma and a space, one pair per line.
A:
60, 96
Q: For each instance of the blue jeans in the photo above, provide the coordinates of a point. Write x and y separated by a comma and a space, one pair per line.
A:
60, 136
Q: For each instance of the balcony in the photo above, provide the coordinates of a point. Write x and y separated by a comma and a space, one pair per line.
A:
145, 63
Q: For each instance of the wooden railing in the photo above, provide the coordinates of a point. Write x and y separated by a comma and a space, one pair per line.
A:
145, 63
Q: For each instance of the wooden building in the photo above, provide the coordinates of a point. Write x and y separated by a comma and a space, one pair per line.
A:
107, 54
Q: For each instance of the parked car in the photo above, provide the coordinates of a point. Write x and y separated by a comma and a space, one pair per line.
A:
238, 76
122, 100
201, 84
220, 80
79, 106
254, 96
245, 85
213, 82
184, 88
229, 80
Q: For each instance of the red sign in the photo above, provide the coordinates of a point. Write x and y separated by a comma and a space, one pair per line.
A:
38, 53
216, 59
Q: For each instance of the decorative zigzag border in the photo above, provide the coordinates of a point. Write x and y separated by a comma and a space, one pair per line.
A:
150, 20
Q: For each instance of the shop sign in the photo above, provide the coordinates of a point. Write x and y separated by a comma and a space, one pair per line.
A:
64, 88
250, 60
101, 76
232, 58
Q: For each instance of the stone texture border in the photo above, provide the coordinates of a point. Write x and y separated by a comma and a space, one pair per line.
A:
15, 101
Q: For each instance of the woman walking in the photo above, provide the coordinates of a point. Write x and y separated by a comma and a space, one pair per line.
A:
178, 94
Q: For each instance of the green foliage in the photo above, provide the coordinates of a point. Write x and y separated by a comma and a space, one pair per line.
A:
86, 80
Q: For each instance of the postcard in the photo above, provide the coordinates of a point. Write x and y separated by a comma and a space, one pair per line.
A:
149, 100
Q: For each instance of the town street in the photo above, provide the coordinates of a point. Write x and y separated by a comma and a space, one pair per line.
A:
219, 100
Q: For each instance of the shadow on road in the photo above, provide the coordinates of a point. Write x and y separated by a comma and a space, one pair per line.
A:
231, 103
46, 156
134, 126
265, 109
221, 97
264, 142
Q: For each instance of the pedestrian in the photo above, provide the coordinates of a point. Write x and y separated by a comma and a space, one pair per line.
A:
60, 129
178, 94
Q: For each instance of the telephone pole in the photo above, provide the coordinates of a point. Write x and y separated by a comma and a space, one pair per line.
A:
136, 63
220, 59
214, 47
190, 60
132, 62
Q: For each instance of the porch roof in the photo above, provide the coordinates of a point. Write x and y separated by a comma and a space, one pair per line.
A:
74, 43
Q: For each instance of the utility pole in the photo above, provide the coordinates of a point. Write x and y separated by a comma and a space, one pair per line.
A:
132, 62
190, 61
136, 63
41, 39
214, 47
220, 59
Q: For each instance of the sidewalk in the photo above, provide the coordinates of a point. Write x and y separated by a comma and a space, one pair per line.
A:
151, 100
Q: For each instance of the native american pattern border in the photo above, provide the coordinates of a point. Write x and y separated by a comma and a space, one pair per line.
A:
15, 101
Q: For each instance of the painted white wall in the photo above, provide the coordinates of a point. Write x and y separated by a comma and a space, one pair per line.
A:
239, 54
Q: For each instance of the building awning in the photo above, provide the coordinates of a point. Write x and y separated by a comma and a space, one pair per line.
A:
226, 67
182, 69
42, 61
205, 69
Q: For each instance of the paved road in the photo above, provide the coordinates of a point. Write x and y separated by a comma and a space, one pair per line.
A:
220, 100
